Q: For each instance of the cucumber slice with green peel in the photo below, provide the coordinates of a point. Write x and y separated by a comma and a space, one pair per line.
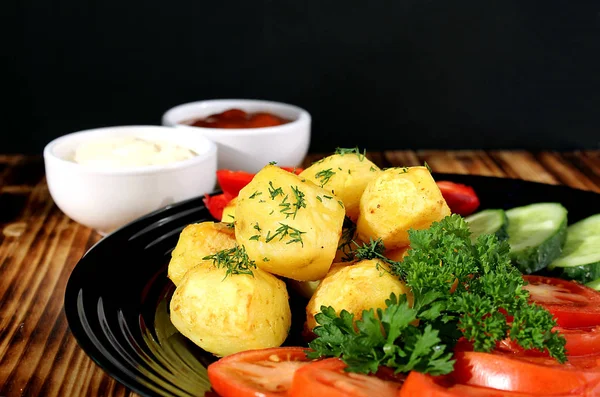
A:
536, 234
488, 222
582, 274
580, 258
595, 284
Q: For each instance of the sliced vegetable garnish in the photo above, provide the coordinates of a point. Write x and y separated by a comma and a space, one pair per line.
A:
215, 204
328, 378
423, 385
534, 375
536, 234
266, 372
488, 222
574, 305
460, 289
580, 258
582, 341
231, 182
461, 199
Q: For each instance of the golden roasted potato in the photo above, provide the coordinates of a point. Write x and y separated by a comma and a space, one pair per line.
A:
226, 315
344, 175
397, 200
195, 242
355, 287
287, 225
229, 211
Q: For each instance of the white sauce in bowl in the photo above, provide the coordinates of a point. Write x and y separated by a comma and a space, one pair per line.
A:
128, 152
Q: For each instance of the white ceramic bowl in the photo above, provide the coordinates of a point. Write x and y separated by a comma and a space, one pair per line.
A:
249, 149
107, 199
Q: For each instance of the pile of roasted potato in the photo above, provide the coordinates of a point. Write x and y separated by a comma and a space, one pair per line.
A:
297, 231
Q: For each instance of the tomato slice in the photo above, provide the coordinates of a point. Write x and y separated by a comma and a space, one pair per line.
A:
535, 375
231, 182
264, 372
215, 204
580, 342
574, 305
327, 378
422, 385
461, 198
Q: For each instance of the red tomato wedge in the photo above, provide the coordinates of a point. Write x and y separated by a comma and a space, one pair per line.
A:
574, 305
461, 198
542, 376
580, 342
422, 385
231, 182
327, 378
216, 204
264, 372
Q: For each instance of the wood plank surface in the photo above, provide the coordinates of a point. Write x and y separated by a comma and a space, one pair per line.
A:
39, 247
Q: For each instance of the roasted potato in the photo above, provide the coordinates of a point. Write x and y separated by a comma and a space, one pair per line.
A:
396, 200
344, 175
287, 224
229, 211
226, 315
195, 242
355, 287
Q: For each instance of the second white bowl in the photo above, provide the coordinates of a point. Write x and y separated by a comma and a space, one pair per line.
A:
249, 149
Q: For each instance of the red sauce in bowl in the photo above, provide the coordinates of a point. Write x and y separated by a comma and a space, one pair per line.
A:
236, 118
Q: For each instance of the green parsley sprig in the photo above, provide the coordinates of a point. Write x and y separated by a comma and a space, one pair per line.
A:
387, 338
460, 289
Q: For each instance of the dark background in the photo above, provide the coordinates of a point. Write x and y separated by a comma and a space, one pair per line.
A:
373, 73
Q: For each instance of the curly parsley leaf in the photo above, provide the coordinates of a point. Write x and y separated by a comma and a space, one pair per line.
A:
387, 337
460, 290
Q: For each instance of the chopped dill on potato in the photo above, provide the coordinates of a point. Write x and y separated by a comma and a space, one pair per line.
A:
235, 260
354, 150
286, 230
291, 209
324, 176
273, 192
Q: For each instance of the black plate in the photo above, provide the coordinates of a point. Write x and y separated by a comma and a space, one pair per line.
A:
117, 296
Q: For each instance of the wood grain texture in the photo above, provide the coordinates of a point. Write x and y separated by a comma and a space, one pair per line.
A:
39, 247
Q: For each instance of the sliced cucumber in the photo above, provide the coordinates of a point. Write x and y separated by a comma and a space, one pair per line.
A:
488, 222
580, 258
536, 234
594, 284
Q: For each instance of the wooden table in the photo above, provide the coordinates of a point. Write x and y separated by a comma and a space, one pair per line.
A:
39, 246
